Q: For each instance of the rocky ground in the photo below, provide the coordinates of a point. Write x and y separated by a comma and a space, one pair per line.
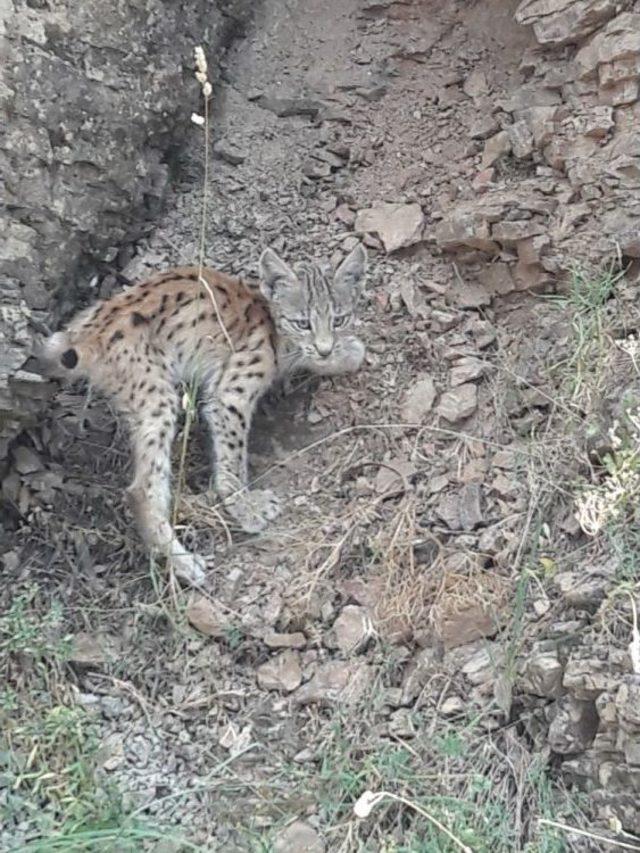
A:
444, 611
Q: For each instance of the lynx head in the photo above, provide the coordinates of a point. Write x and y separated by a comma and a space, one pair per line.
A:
313, 306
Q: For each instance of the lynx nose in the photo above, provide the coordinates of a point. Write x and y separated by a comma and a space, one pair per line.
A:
324, 345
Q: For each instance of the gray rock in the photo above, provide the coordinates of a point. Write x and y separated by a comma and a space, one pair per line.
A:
113, 707
476, 84
229, 152
336, 683
352, 629
470, 509
543, 673
459, 403
494, 148
484, 127
93, 650
564, 21
466, 370
521, 139
290, 106
573, 725
398, 225
26, 460
298, 837
274, 640
419, 400
93, 95
282, 672
207, 616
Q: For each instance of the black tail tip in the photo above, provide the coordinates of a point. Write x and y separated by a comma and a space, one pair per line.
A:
69, 359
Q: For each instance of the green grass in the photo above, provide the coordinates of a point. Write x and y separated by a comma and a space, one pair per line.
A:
458, 774
24, 631
49, 746
583, 369
124, 837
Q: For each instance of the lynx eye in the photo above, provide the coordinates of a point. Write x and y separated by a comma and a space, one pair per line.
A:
303, 324
340, 320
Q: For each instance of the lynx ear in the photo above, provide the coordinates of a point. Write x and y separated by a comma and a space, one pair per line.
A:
274, 272
350, 274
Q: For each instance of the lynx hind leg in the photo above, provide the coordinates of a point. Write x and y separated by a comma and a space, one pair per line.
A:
152, 432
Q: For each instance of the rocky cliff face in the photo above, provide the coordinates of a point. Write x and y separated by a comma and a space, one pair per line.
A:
94, 98
575, 119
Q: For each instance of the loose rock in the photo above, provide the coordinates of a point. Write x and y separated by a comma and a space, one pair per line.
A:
419, 400
398, 225
494, 148
207, 617
459, 404
298, 837
336, 683
285, 641
352, 629
281, 673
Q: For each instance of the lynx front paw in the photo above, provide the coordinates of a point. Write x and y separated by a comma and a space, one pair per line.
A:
190, 569
254, 510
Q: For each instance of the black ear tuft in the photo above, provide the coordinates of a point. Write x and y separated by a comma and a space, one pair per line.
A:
69, 359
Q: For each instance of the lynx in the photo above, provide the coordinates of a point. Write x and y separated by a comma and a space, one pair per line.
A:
230, 339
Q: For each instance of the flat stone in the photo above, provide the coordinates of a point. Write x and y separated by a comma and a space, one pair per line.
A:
392, 475
298, 837
274, 640
543, 673
620, 39
465, 227
26, 460
497, 279
459, 403
229, 152
476, 84
282, 672
471, 294
510, 232
483, 664
573, 725
93, 650
315, 169
397, 225
448, 509
466, 370
494, 148
521, 140
292, 106
467, 625
336, 683
564, 21
352, 629
111, 752
483, 180
484, 127
207, 616
419, 400
470, 510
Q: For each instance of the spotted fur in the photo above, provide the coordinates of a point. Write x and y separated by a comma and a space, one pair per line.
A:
230, 340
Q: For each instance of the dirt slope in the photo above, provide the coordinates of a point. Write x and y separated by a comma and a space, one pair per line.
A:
427, 616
